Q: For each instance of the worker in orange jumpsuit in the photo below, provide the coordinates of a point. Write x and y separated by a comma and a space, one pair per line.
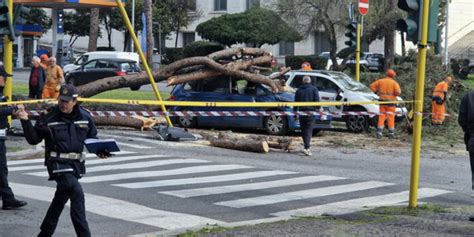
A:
54, 80
306, 66
44, 61
438, 101
387, 89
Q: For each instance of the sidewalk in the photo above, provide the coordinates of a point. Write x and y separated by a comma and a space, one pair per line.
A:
428, 220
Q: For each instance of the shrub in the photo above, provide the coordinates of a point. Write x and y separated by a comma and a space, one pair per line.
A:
172, 54
316, 62
201, 48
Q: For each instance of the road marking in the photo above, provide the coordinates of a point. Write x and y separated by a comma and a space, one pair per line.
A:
132, 165
200, 180
250, 186
113, 159
158, 173
158, 142
119, 209
134, 145
304, 194
41, 159
359, 204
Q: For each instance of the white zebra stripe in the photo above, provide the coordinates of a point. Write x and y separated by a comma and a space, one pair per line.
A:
200, 180
304, 194
250, 186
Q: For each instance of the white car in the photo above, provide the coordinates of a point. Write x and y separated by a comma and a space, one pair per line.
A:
86, 57
337, 86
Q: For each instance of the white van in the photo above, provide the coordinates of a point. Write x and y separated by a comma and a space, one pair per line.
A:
99, 54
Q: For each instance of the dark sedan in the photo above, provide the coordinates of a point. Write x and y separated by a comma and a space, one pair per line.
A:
101, 68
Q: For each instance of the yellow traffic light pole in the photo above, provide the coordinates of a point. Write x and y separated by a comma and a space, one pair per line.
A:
142, 57
8, 60
357, 71
420, 87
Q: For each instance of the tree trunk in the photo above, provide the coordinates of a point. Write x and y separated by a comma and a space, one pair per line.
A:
118, 121
94, 29
389, 42
242, 145
149, 30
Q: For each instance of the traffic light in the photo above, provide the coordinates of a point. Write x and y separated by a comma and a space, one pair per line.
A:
6, 24
351, 34
410, 25
18, 18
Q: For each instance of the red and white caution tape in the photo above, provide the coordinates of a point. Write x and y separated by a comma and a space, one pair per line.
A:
230, 113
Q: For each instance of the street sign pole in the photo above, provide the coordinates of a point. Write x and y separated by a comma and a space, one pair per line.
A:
363, 6
8, 60
420, 87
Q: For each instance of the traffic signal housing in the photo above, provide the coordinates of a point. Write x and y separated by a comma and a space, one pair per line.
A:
411, 25
18, 18
351, 34
6, 22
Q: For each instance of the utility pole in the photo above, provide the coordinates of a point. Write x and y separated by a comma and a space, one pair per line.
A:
133, 25
446, 51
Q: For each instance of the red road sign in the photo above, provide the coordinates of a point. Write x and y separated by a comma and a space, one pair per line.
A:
363, 7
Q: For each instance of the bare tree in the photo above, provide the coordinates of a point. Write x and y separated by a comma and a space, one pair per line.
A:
94, 29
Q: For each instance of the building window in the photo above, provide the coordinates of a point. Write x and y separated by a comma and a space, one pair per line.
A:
191, 5
321, 42
287, 48
220, 5
188, 37
252, 4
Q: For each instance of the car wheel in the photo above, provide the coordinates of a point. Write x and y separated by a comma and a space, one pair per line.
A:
276, 125
135, 88
186, 122
357, 123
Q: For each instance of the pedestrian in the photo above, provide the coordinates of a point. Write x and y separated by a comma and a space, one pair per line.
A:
3, 78
307, 93
306, 66
438, 101
44, 61
466, 121
37, 78
54, 80
387, 89
64, 130
9, 200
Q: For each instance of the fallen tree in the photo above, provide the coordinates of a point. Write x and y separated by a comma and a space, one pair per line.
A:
234, 62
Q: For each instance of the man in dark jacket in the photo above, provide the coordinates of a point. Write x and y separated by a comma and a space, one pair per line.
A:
37, 78
9, 200
64, 130
466, 120
307, 93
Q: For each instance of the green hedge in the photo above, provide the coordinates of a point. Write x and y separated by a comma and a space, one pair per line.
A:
317, 63
172, 54
201, 48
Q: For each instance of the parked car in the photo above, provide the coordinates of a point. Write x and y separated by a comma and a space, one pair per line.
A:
364, 64
86, 57
101, 68
231, 90
337, 86
374, 61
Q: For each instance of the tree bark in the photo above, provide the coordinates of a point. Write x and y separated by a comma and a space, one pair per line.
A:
149, 30
118, 121
230, 69
94, 29
242, 145
389, 42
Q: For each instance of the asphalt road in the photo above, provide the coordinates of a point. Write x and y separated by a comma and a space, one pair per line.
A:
22, 76
164, 187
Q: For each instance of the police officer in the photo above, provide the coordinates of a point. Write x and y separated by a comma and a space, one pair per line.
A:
64, 130
9, 200
466, 121
307, 93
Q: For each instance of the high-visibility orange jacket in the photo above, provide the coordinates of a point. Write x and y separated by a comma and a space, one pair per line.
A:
440, 90
386, 88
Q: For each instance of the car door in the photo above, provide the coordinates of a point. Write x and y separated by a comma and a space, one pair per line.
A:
243, 91
82, 75
328, 92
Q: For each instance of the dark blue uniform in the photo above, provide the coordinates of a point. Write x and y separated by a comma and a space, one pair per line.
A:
64, 136
307, 93
9, 201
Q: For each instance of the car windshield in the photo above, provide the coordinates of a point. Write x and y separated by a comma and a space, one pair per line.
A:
349, 83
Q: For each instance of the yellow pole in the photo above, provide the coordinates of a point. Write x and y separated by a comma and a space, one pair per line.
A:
8, 60
142, 57
358, 52
420, 87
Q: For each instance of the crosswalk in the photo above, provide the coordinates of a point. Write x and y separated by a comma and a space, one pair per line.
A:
230, 187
